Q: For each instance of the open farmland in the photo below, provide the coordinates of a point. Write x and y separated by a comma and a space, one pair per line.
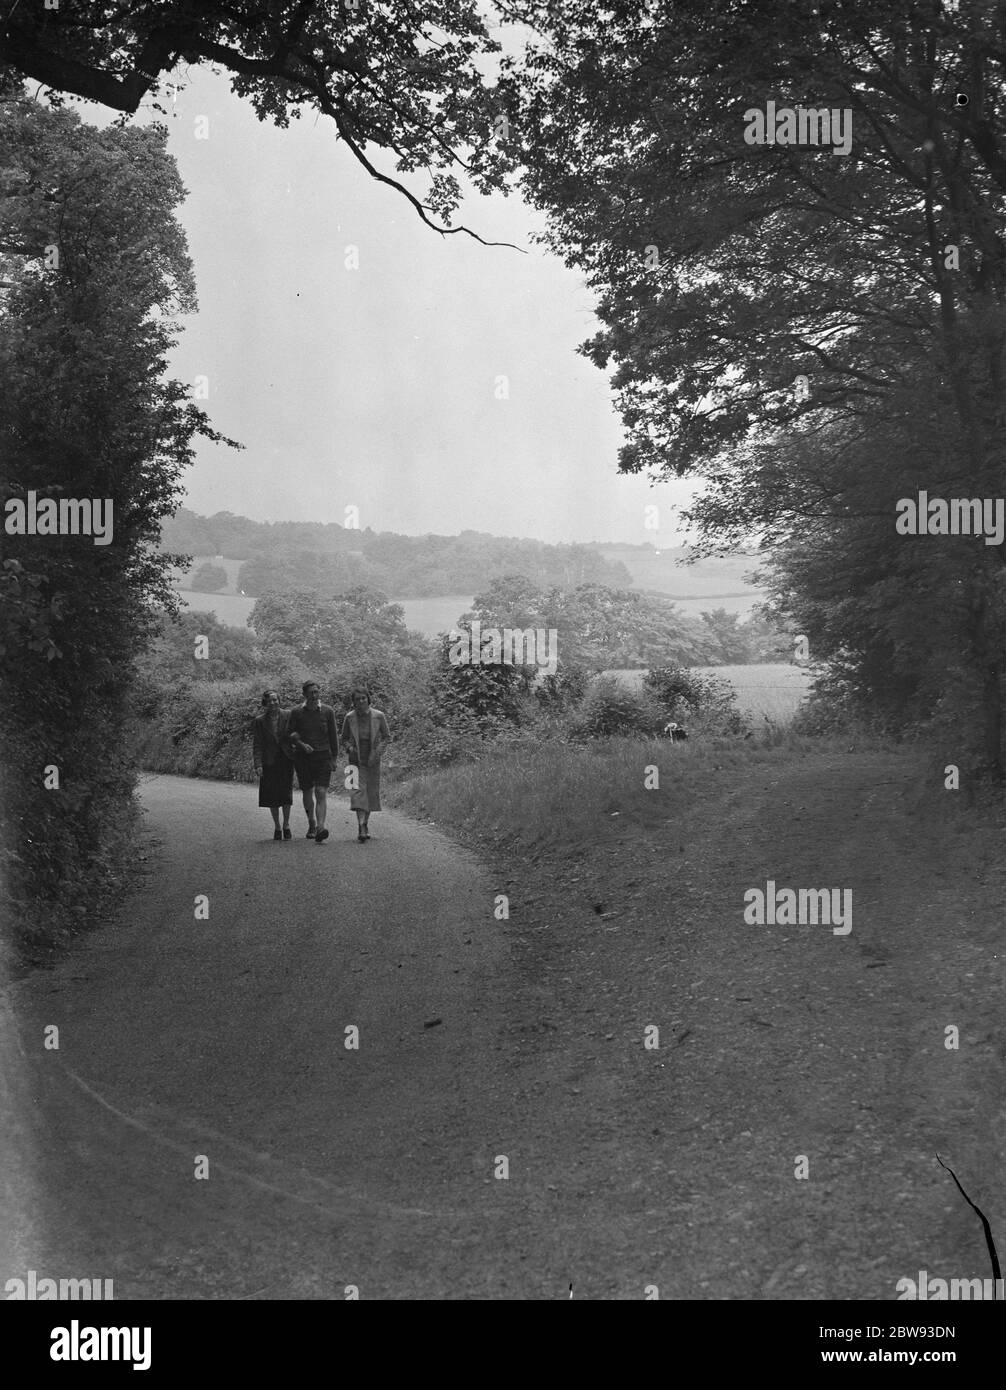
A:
426, 615
432, 615
232, 609
716, 582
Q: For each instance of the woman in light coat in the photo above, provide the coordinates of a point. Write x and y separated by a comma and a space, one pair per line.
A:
365, 734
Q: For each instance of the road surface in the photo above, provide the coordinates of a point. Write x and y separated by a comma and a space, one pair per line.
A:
225, 1040
502, 1131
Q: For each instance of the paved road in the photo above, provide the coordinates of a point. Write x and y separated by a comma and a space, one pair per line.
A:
628, 1168
226, 1038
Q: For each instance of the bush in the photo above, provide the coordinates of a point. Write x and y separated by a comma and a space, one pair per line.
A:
565, 690
701, 702
209, 579
610, 708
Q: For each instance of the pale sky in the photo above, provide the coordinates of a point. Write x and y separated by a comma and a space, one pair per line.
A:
377, 387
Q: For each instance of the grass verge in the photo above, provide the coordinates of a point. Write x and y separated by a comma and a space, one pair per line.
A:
560, 796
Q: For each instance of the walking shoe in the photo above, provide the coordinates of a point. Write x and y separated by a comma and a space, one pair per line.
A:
277, 834
312, 830
321, 835
287, 833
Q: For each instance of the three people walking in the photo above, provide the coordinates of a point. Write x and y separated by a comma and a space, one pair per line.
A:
305, 740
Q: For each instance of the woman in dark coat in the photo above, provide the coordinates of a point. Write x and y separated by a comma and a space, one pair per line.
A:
273, 766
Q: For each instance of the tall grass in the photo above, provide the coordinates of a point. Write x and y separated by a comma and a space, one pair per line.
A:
559, 795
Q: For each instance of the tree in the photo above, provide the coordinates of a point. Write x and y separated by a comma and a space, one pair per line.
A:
470, 697
356, 629
730, 269
771, 260
302, 568
95, 271
602, 628
597, 627
176, 654
732, 648
209, 579
387, 73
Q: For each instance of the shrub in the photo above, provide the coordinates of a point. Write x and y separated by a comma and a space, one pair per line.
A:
611, 708
209, 579
702, 702
565, 689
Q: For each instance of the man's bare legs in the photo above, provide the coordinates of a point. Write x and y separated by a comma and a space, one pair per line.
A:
308, 795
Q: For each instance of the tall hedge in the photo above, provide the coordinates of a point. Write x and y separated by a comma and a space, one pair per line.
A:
93, 269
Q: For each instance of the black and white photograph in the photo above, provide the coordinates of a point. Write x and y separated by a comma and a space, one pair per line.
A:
550, 458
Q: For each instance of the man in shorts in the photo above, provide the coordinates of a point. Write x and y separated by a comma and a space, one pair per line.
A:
312, 735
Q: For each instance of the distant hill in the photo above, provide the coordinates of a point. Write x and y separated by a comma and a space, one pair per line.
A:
436, 577
286, 554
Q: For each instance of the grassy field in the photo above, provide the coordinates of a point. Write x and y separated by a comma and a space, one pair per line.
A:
771, 692
432, 615
426, 615
232, 609
741, 604
660, 572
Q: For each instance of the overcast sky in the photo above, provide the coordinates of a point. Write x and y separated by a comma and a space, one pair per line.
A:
377, 387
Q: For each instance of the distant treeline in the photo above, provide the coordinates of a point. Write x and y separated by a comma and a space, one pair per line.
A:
286, 555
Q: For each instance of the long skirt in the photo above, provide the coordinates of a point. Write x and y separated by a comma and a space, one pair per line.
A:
368, 797
275, 787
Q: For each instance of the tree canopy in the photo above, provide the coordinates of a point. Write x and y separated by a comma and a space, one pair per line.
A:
817, 332
727, 269
390, 74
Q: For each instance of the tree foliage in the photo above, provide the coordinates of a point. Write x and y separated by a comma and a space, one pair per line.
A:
392, 76
354, 629
727, 270
209, 579
597, 627
94, 270
231, 652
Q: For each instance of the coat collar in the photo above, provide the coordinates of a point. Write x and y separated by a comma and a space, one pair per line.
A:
354, 720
